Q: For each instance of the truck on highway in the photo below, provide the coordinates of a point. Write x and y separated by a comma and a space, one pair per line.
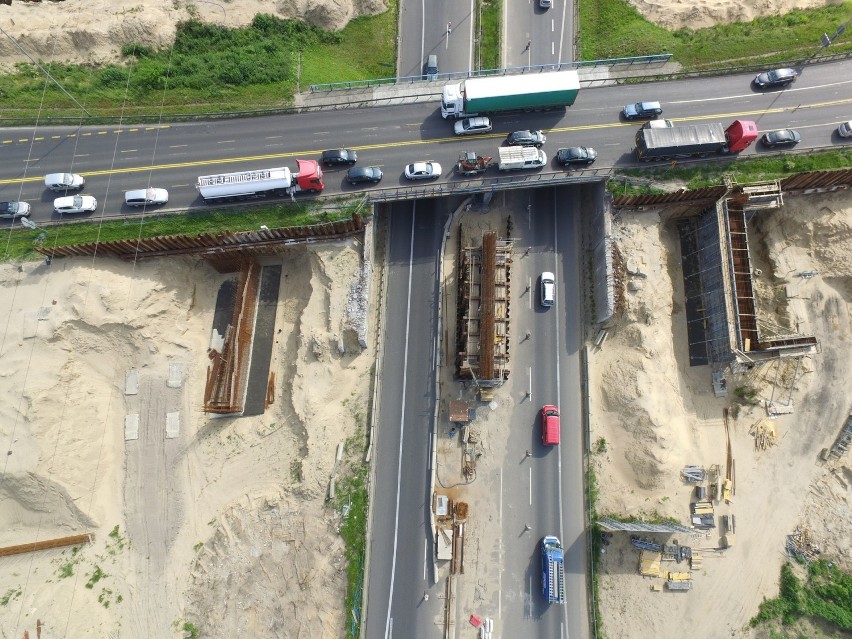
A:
693, 140
259, 183
500, 94
552, 570
520, 157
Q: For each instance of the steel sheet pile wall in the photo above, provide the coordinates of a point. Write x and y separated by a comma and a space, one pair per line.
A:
601, 244
226, 378
246, 243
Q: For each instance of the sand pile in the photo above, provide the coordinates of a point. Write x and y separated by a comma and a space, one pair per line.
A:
94, 31
210, 528
680, 14
662, 415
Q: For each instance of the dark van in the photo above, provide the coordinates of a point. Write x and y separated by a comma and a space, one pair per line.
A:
430, 69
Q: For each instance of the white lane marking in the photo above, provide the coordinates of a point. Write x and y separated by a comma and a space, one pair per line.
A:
422, 32
530, 485
500, 572
388, 624
530, 386
552, 25
425, 556
558, 386
529, 288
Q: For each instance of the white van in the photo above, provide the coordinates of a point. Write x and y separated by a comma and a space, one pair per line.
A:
146, 197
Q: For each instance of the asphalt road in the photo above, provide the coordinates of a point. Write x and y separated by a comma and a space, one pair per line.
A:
536, 36
115, 159
398, 570
433, 27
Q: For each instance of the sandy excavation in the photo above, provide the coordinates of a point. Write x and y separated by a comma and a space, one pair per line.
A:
655, 415
226, 526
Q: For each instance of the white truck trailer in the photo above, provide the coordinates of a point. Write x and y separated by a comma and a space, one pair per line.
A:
258, 183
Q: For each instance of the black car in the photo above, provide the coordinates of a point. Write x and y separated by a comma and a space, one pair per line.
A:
361, 174
337, 157
526, 138
641, 110
776, 78
576, 155
782, 137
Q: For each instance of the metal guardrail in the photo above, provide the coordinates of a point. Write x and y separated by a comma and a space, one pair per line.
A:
468, 187
461, 75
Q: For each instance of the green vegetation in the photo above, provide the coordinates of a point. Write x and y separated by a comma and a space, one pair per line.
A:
595, 532
198, 546
826, 595
615, 29
95, 577
745, 392
744, 171
600, 446
211, 68
490, 31
66, 569
12, 593
352, 504
189, 630
18, 242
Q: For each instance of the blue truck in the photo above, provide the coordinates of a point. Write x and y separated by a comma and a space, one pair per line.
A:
552, 570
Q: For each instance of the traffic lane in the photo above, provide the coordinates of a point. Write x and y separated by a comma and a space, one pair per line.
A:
411, 37
413, 570
571, 201
389, 431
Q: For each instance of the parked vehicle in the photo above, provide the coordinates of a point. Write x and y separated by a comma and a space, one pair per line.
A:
845, 130
641, 110
362, 174
501, 94
552, 570
470, 126
64, 181
472, 164
75, 204
548, 289
259, 183
423, 171
782, 137
520, 157
583, 155
14, 210
694, 140
146, 197
775, 78
550, 430
430, 69
337, 157
526, 138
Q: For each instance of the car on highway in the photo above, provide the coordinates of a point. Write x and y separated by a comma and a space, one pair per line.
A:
775, 78
658, 124
336, 157
430, 69
75, 204
548, 289
545, 4
364, 174
64, 181
845, 130
782, 137
550, 425
471, 126
423, 171
641, 110
146, 197
13, 210
582, 155
526, 138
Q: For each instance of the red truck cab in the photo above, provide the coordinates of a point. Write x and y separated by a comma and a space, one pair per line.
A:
740, 135
309, 176
550, 425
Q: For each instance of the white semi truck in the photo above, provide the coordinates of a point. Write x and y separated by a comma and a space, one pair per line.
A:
258, 183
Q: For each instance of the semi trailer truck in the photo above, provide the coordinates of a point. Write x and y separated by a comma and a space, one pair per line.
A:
501, 94
693, 140
552, 570
259, 183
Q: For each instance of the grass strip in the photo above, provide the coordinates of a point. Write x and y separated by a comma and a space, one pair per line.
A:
615, 29
351, 503
490, 37
18, 243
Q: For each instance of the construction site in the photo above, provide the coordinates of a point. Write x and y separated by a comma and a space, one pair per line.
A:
719, 414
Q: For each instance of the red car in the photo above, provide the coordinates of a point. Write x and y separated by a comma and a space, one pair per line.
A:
550, 425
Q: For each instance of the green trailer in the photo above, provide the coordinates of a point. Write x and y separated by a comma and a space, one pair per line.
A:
499, 94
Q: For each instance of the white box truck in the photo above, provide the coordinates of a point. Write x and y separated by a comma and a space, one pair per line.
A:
521, 157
